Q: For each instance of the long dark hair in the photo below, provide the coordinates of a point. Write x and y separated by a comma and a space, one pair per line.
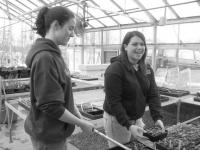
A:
47, 15
126, 40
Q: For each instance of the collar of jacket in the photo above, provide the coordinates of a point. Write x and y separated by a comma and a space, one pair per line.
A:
125, 61
52, 44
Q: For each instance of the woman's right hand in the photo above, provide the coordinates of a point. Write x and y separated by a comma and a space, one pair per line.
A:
137, 132
86, 126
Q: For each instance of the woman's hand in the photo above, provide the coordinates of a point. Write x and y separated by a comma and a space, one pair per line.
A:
160, 124
87, 126
137, 132
139, 122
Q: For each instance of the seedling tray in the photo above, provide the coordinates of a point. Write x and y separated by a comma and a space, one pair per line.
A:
173, 92
91, 112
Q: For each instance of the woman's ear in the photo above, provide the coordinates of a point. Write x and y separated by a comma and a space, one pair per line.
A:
55, 25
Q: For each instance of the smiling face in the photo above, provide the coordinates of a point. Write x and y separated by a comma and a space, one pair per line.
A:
135, 49
63, 33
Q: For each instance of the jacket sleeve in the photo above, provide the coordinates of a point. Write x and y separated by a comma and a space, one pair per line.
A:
113, 90
153, 97
47, 90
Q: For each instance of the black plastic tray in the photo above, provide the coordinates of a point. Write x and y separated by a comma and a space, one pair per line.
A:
155, 138
173, 92
92, 113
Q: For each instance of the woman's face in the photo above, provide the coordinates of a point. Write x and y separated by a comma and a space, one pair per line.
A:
135, 49
65, 32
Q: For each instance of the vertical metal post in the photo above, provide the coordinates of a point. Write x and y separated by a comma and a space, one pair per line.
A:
82, 48
154, 48
102, 49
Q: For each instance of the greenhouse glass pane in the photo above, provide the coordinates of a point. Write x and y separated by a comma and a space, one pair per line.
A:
152, 3
95, 23
167, 34
76, 10
2, 14
123, 19
123, 33
14, 13
18, 6
30, 5
113, 37
108, 21
148, 33
189, 34
89, 38
46, 1
37, 2
107, 5
192, 9
178, 1
158, 13
97, 38
94, 10
127, 4
140, 17
169, 53
186, 54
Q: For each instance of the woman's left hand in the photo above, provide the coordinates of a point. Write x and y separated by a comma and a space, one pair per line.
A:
160, 124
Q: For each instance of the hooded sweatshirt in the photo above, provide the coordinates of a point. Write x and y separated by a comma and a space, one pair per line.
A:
128, 91
51, 93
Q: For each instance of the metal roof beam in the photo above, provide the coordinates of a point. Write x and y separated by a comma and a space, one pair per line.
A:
16, 7
105, 13
146, 11
43, 2
37, 9
13, 16
32, 3
88, 13
95, 18
16, 13
111, 14
128, 26
174, 12
7, 12
122, 10
23, 4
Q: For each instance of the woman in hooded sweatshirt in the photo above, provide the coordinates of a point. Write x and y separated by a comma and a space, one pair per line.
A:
53, 114
129, 86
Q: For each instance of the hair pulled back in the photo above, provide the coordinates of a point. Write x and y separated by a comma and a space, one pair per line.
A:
47, 15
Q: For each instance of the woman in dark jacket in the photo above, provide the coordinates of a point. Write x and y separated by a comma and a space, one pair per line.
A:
129, 86
53, 114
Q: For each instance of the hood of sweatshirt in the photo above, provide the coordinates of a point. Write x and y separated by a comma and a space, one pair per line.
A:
41, 44
123, 58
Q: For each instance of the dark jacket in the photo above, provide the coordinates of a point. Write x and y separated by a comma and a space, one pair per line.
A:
51, 93
128, 91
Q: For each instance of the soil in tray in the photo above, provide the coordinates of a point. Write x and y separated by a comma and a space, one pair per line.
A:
169, 113
89, 141
183, 136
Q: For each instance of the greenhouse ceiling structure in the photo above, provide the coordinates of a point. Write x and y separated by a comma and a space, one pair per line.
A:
109, 14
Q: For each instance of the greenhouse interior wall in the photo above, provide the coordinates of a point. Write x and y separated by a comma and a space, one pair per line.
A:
176, 50
171, 29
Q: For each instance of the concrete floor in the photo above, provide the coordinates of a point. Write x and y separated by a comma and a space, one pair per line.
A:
21, 140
